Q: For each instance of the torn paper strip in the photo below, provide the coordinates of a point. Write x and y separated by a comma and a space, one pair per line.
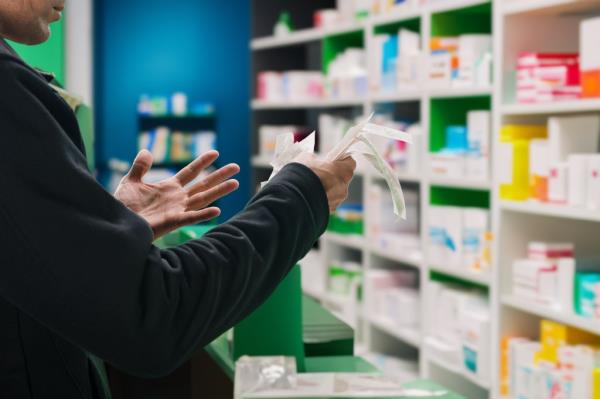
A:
355, 141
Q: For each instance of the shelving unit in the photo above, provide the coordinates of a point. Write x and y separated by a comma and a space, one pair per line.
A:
513, 223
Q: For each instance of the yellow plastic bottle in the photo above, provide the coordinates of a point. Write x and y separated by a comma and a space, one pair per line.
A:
514, 159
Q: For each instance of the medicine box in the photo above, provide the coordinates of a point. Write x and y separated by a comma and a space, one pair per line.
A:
590, 57
553, 335
550, 250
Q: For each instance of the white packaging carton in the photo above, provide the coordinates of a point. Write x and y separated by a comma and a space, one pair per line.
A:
593, 183
557, 183
577, 180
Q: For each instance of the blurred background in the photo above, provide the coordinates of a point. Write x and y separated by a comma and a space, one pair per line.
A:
492, 284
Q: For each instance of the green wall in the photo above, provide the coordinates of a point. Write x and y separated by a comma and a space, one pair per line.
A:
49, 56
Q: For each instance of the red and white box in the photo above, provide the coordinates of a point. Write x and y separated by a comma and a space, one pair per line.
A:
550, 250
544, 77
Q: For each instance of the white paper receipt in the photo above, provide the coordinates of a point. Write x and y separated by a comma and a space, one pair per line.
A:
355, 141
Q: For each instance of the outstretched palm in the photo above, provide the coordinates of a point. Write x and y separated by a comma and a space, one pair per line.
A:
173, 203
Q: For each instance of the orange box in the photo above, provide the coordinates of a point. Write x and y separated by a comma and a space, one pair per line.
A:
590, 83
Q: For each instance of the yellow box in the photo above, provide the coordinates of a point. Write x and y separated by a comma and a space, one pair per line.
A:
553, 335
514, 141
596, 384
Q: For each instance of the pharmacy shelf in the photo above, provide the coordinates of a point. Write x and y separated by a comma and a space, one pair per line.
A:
400, 97
558, 211
550, 108
481, 278
399, 14
303, 36
318, 295
459, 183
438, 6
548, 7
454, 92
456, 370
298, 37
531, 307
412, 257
409, 335
353, 241
325, 103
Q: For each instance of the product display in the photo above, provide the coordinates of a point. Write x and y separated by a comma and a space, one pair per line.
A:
459, 329
559, 168
290, 86
543, 77
169, 146
466, 152
552, 276
176, 105
461, 61
347, 75
394, 296
398, 62
460, 238
563, 364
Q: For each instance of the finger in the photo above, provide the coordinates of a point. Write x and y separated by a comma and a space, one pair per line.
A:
141, 165
203, 215
191, 171
215, 178
205, 198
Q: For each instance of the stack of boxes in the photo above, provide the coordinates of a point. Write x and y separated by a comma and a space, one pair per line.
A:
564, 364
461, 61
459, 329
398, 62
290, 86
460, 238
393, 236
393, 297
551, 276
467, 149
543, 77
558, 163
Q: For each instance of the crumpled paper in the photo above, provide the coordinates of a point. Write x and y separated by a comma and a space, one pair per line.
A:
355, 141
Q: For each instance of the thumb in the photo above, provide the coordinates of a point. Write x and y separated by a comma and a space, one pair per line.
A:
141, 165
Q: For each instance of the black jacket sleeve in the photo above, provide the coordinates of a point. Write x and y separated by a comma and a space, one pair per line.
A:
82, 264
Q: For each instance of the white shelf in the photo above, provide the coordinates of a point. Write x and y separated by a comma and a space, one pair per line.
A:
545, 7
573, 320
453, 92
555, 107
298, 37
398, 15
463, 274
459, 183
318, 295
455, 369
353, 241
413, 258
558, 211
402, 96
303, 36
450, 5
325, 103
409, 335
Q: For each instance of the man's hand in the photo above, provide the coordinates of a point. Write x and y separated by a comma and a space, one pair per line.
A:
169, 204
335, 176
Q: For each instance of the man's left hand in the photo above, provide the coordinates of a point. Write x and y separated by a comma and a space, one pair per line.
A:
170, 204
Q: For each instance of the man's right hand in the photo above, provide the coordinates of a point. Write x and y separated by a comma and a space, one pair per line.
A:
335, 176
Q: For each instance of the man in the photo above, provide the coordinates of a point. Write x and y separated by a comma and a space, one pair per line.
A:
79, 273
